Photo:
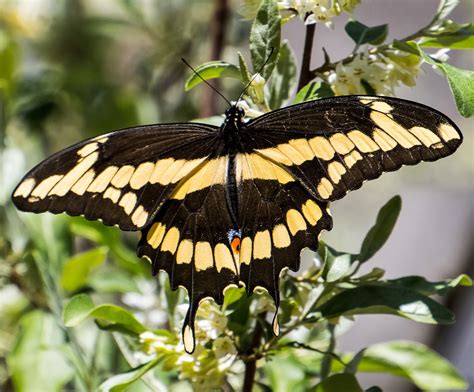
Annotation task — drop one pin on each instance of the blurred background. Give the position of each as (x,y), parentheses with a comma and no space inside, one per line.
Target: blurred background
(73,69)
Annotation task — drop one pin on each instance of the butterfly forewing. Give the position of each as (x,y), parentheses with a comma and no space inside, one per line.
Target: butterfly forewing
(333,145)
(120,178)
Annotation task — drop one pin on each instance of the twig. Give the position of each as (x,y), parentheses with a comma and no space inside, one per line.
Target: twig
(251,359)
(218,29)
(305,72)
(306,347)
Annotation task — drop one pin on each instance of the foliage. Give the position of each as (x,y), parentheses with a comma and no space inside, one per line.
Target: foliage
(82,313)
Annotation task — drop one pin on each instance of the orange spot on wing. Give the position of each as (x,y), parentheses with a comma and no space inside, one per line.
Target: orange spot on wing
(235,244)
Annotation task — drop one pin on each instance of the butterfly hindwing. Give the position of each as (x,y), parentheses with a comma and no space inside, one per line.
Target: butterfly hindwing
(333,145)
(120,178)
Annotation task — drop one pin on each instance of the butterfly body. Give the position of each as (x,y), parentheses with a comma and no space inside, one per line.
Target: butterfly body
(234,205)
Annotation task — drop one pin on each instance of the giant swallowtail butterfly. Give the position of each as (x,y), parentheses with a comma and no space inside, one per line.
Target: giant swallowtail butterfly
(235,204)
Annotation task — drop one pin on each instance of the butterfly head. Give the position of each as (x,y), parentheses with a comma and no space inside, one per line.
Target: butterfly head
(235,114)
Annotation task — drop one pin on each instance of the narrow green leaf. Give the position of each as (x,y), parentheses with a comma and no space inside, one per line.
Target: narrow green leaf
(414,361)
(372,299)
(312,91)
(421,285)
(462,39)
(362,34)
(461,82)
(245,74)
(37,362)
(265,35)
(108,316)
(212,70)
(379,233)
(77,269)
(406,46)
(120,381)
(283,77)
(340,267)
(339,382)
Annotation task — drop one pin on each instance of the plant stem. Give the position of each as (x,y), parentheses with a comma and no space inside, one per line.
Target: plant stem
(218,29)
(251,362)
(305,72)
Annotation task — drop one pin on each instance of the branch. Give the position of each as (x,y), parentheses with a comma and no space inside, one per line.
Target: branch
(251,359)
(305,72)
(218,29)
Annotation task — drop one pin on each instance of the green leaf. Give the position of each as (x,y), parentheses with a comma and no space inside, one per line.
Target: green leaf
(421,285)
(406,46)
(78,268)
(444,9)
(414,361)
(112,280)
(461,82)
(341,267)
(283,77)
(265,35)
(462,39)
(245,74)
(108,316)
(373,299)
(120,381)
(37,362)
(379,233)
(362,34)
(9,53)
(339,382)
(212,70)
(312,91)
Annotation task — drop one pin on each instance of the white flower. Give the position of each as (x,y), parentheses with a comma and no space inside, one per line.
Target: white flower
(224,347)
(441,55)
(154,344)
(381,73)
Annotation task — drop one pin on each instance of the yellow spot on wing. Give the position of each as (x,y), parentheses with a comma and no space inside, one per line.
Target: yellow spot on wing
(168,176)
(122,177)
(385,142)
(223,258)
(102,181)
(253,166)
(87,149)
(363,142)
(336,170)
(321,148)
(188,339)
(156,234)
(128,202)
(185,252)
(325,188)
(203,256)
(381,106)
(142,175)
(262,246)
(246,250)
(170,242)
(25,188)
(69,179)
(45,186)
(311,212)
(275,155)
(395,130)
(161,166)
(281,237)
(447,132)
(352,158)
(295,221)
(292,153)
(112,194)
(427,137)
(80,187)
(341,143)
(303,147)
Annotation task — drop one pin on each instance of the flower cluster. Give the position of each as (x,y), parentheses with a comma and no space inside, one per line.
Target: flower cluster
(312,11)
(215,352)
(374,73)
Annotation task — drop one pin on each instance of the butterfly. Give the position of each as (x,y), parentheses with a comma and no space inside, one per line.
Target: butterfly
(234,205)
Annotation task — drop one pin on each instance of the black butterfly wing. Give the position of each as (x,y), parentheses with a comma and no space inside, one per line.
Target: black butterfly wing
(334,145)
(189,239)
(121,178)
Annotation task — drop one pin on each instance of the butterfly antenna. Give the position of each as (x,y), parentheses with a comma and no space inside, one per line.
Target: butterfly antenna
(253,78)
(210,85)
